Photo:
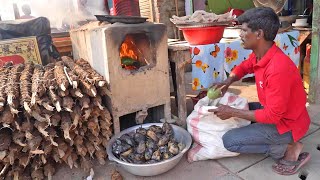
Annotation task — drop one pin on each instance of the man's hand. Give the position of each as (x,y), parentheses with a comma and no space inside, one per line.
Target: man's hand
(225,84)
(223,112)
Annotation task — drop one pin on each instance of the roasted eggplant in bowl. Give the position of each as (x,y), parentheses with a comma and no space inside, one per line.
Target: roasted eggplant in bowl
(149,149)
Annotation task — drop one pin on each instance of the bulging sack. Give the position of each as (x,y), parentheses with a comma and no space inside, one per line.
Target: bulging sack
(207,129)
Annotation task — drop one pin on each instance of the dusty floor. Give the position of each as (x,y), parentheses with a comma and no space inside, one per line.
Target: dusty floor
(249,167)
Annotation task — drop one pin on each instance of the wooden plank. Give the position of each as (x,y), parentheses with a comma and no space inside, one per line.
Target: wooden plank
(314,93)
(180,57)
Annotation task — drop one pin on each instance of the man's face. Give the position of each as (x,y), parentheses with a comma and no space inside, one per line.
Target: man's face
(248,37)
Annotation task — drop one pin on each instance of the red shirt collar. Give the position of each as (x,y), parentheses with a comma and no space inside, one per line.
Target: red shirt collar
(266,58)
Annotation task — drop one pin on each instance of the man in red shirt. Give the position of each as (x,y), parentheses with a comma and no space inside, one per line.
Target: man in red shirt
(281,119)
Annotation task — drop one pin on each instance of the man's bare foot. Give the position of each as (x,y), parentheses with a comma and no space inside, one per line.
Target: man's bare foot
(293,151)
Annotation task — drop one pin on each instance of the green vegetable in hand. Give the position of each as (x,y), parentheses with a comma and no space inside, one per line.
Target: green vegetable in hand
(214,93)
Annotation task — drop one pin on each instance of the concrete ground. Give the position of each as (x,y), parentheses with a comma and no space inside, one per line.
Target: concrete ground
(248,167)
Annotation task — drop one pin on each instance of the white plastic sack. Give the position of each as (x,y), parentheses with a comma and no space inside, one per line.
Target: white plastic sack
(207,129)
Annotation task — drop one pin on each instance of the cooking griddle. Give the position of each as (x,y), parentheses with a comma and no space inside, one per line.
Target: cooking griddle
(121,19)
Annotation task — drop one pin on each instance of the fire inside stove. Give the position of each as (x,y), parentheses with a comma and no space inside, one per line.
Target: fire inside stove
(133,52)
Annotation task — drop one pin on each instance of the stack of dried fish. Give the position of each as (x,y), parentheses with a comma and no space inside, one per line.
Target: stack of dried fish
(51,114)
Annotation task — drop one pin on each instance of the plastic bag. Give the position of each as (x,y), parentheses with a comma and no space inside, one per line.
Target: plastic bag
(207,129)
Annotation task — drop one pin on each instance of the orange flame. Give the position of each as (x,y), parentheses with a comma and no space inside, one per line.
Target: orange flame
(128,48)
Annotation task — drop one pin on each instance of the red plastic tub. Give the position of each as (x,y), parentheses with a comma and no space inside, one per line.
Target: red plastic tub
(203,35)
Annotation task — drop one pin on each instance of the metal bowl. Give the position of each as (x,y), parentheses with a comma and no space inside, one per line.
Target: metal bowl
(180,134)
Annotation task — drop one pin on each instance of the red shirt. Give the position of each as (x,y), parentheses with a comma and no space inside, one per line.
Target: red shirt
(280,91)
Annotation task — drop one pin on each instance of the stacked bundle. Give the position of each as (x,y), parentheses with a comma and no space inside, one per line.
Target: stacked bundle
(51,114)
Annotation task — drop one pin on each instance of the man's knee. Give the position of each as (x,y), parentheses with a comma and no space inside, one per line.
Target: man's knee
(229,141)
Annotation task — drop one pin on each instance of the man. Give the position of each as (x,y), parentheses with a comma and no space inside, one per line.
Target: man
(281,118)
(26,11)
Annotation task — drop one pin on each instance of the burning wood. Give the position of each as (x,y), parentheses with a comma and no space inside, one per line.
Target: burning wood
(56,115)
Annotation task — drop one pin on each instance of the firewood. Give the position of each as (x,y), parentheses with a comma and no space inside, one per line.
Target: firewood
(105,115)
(76,93)
(49,78)
(75,116)
(98,79)
(41,126)
(81,150)
(17,172)
(63,93)
(66,124)
(14,149)
(3,154)
(49,169)
(86,114)
(6,116)
(35,113)
(73,78)
(88,88)
(25,86)
(34,142)
(86,164)
(93,126)
(60,77)
(37,87)
(78,70)
(84,102)
(101,155)
(47,147)
(56,100)
(5,138)
(96,141)
(46,103)
(66,156)
(105,141)
(37,174)
(67,103)
(90,148)
(24,159)
(19,138)
(56,114)
(4,71)
(52,135)
(62,147)
(12,88)
(55,119)
(97,101)
(55,155)
(104,91)
(74,159)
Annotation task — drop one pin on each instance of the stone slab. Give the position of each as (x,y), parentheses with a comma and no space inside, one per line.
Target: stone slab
(263,170)
(204,170)
(313,128)
(241,162)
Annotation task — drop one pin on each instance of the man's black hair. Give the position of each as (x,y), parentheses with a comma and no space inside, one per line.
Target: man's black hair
(262,18)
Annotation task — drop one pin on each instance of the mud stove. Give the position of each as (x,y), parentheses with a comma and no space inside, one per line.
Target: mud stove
(134,60)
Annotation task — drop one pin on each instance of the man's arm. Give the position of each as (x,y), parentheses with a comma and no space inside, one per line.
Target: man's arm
(244,114)
(226,112)
(225,84)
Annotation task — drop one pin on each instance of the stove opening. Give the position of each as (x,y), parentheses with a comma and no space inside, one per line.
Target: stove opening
(154,116)
(136,52)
